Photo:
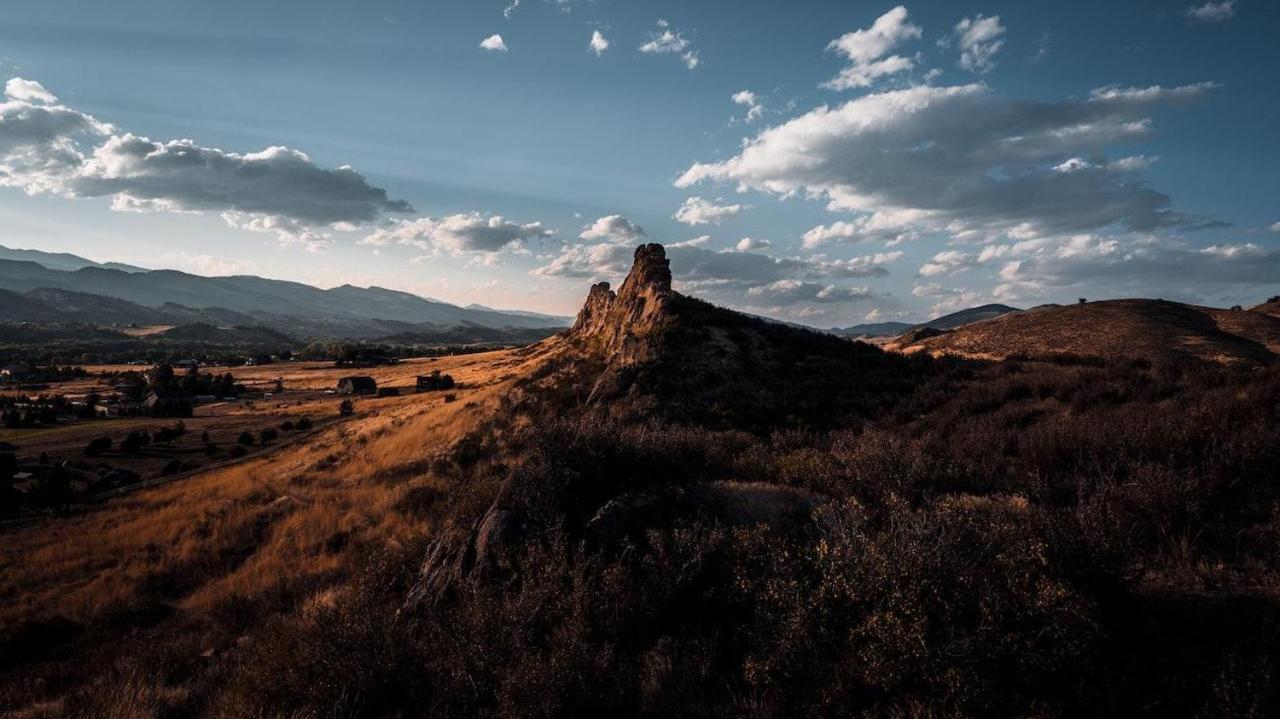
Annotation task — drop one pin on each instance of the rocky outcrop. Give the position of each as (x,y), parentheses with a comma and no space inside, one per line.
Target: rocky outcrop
(623,325)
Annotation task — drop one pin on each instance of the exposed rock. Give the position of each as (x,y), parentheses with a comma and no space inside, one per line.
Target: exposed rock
(621,325)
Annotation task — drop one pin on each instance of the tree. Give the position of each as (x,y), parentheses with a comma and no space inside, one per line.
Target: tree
(347,408)
(245,439)
(97,447)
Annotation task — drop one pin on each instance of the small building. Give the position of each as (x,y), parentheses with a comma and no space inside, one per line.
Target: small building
(357,384)
(162,403)
(13,373)
(434,382)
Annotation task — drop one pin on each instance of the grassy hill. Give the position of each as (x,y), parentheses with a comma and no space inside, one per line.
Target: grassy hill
(1144,329)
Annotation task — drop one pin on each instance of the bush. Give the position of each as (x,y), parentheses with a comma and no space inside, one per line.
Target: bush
(303,424)
(268,435)
(287,426)
(98,446)
(245,439)
(347,408)
(238,450)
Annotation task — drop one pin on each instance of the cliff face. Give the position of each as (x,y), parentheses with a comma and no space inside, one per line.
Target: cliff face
(624,325)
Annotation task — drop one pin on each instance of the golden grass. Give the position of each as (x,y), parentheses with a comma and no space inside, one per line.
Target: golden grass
(289,518)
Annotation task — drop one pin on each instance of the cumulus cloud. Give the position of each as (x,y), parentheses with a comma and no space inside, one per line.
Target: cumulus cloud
(493,43)
(700,241)
(962,159)
(1274,227)
(747,244)
(948,263)
(727,276)
(697,211)
(276,182)
(1212,11)
(888,227)
(978,38)
(948,299)
(749,100)
(666,41)
(277,190)
(1133,264)
(792,291)
(598,44)
(456,234)
(614,229)
(866,51)
(39,137)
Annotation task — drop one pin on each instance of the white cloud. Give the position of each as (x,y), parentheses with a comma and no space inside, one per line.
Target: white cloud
(598,44)
(1212,11)
(28,91)
(668,41)
(866,50)
(948,299)
(494,43)
(792,291)
(277,190)
(979,38)
(961,159)
(614,229)
(1274,227)
(726,275)
(948,263)
(456,234)
(888,227)
(700,241)
(749,100)
(697,211)
(510,9)
(748,244)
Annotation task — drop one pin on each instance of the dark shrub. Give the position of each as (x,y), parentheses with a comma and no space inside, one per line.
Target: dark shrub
(268,435)
(98,446)
(287,426)
(303,424)
(245,439)
(347,408)
(238,450)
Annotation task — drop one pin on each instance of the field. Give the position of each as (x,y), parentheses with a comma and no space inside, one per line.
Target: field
(282,526)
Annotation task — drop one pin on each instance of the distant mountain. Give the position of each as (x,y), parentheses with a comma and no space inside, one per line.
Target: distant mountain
(61,260)
(276,303)
(964,317)
(1135,328)
(873,329)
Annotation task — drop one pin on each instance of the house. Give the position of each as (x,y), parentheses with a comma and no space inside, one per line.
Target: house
(164,403)
(14,373)
(357,384)
(434,381)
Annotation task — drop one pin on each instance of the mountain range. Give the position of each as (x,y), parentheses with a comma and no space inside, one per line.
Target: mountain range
(63,287)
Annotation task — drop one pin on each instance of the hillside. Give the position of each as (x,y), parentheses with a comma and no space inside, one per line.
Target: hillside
(61,260)
(672,509)
(200,332)
(1135,328)
(967,316)
(688,359)
(873,329)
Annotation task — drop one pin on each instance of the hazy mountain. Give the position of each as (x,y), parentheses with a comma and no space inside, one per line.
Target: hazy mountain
(61,260)
(267,300)
(873,329)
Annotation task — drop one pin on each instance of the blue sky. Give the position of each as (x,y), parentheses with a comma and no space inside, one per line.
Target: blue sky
(1023,152)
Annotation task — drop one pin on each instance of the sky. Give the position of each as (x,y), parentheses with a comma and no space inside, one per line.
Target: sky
(829,163)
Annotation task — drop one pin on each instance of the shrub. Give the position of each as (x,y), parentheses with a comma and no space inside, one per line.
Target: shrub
(98,446)
(268,435)
(347,408)
(287,426)
(303,424)
(245,439)
(238,450)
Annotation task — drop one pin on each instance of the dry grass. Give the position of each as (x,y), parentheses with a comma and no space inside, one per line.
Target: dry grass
(292,518)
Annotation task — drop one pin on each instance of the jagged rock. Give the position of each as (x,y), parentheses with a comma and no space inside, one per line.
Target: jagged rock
(451,559)
(622,325)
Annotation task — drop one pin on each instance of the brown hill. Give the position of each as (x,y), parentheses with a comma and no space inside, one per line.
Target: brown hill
(688,359)
(1269,308)
(1137,328)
